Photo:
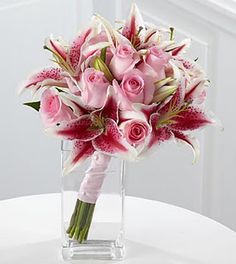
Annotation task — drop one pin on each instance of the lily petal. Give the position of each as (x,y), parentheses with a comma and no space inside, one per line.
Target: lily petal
(81,128)
(80,152)
(127,115)
(108,28)
(191,141)
(180,48)
(177,99)
(74,55)
(112,142)
(146,110)
(195,90)
(91,49)
(76,103)
(110,108)
(56,46)
(46,77)
(158,134)
(133,24)
(190,119)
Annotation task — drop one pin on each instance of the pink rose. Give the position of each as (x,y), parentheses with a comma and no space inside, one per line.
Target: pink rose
(154,63)
(137,87)
(124,59)
(53,110)
(136,131)
(94,88)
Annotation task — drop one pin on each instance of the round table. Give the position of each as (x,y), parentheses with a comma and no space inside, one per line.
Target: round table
(159,233)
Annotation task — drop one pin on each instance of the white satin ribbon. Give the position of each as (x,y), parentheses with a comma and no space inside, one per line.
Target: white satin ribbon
(92,183)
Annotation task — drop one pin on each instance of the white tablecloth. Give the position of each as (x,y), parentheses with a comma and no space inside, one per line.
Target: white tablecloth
(159,233)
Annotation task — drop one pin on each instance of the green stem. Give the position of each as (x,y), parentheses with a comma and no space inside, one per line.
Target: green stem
(72,230)
(72,220)
(80,221)
(84,231)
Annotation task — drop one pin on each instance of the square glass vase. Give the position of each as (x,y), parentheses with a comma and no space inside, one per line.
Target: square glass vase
(104,239)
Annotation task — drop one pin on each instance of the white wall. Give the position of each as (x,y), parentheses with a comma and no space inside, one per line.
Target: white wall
(30,161)
(209,186)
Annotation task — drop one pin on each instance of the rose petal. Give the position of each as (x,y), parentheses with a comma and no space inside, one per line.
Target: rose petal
(124,103)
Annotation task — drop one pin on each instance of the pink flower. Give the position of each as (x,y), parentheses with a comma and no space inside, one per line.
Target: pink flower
(53,110)
(50,76)
(124,59)
(154,63)
(137,87)
(97,131)
(136,131)
(100,37)
(94,88)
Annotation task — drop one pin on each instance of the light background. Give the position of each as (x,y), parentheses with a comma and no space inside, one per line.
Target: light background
(30,161)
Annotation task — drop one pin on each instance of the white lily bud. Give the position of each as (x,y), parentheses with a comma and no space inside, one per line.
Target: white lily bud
(163,92)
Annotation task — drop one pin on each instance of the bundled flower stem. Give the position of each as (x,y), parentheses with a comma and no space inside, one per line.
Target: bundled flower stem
(80,221)
(89,191)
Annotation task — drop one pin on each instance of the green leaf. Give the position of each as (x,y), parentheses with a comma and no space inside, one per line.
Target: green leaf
(34,105)
(103,54)
(100,65)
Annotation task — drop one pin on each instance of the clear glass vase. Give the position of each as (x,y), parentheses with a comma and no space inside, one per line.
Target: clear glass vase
(105,236)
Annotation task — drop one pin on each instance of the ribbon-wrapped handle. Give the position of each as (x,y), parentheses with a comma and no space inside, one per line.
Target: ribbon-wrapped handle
(92,183)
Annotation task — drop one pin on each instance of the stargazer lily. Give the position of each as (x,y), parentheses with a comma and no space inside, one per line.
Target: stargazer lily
(175,120)
(97,131)
(134,26)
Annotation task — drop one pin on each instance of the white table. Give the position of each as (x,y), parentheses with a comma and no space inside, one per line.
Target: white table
(160,234)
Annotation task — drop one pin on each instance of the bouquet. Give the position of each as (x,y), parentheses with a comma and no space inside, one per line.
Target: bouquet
(117,92)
